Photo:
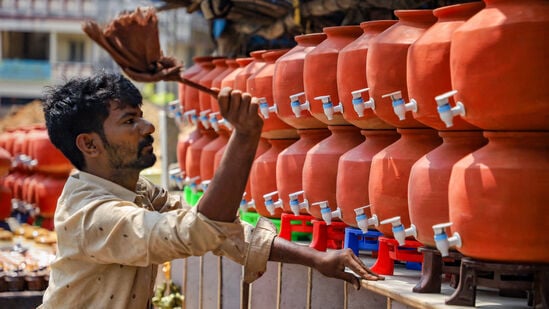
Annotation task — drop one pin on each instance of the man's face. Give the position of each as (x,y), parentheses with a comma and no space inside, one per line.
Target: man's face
(128,139)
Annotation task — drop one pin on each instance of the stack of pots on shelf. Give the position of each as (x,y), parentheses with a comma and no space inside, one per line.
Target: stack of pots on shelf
(353,171)
(37,175)
(428,75)
(287,90)
(320,84)
(498,193)
(188,100)
(279,134)
(386,75)
(241,83)
(201,136)
(218,123)
(207,158)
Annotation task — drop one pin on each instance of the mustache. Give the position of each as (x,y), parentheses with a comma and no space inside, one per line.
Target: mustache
(145,142)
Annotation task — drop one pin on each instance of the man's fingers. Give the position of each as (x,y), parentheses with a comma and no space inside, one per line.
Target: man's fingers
(223,100)
(352,279)
(357,266)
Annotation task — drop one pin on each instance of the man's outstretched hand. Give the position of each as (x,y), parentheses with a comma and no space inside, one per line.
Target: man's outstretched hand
(333,264)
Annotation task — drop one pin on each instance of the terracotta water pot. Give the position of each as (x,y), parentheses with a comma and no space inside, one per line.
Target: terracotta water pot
(498,198)
(260,85)
(289,166)
(321,163)
(48,158)
(263,175)
(288,81)
(257,63)
(391,171)
(428,65)
(351,75)
(192,100)
(263,147)
(386,63)
(207,158)
(429,178)
(205,99)
(499,65)
(183,143)
(194,151)
(5,162)
(229,80)
(230,65)
(353,172)
(320,72)
(47,193)
(189,72)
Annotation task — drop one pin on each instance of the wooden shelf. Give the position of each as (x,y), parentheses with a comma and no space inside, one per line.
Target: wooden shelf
(398,288)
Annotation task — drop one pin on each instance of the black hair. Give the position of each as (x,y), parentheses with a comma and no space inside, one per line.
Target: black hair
(81,105)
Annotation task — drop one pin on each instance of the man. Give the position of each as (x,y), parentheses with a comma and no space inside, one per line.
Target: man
(114,227)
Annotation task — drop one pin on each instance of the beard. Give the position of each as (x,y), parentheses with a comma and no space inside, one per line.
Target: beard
(122,156)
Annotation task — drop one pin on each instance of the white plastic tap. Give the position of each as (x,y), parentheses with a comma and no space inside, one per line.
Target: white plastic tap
(175,111)
(445,111)
(442,241)
(399,106)
(359,105)
(215,122)
(192,183)
(191,116)
(327,213)
(265,109)
(295,205)
(270,204)
(362,219)
(297,107)
(204,184)
(399,232)
(177,177)
(328,106)
(204,118)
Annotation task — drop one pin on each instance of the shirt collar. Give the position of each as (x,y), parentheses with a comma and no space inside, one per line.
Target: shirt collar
(110,186)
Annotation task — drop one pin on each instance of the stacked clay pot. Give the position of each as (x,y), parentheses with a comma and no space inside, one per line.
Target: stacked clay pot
(240,83)
(38,178)
(386,73)
(191,167)
(354,165)
(288,81)
(498,193)
(278,133)
(207,159)
(428,75)
(320,79)
(229,81)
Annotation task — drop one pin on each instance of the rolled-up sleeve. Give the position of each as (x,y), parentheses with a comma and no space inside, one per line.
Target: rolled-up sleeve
(119,232)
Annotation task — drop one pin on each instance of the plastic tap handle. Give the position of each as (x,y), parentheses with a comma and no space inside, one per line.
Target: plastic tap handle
(204,184)
(324,98)
(396,95)
(395,221)
(294,195)
(443,98)
(323,204)
(441,227)
(269,196)
(360,210)
(295,97)
(357,94)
